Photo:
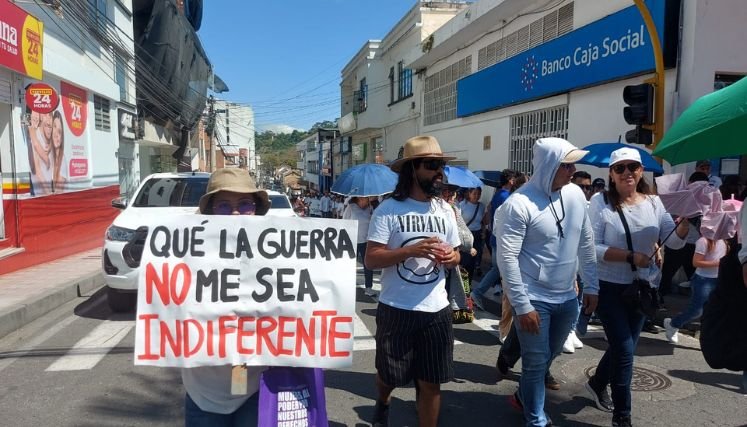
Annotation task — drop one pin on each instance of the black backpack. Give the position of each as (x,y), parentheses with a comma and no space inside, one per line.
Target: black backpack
(723,326)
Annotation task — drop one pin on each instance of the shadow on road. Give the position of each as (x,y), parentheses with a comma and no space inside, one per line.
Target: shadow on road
(474,336)
(141,399)
(95,307)
(729,381)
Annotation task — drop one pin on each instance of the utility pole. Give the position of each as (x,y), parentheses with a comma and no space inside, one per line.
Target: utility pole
(210,130)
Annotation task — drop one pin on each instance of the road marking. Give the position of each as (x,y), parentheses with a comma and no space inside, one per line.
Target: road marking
(364,340)
(487,322)
(362,337)
(92,348)
(30,344)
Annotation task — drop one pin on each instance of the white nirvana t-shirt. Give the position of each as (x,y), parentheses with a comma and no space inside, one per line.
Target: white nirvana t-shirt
(417,283)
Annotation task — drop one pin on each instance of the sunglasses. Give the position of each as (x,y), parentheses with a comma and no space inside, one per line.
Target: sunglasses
(585,187)
(433,164)
(245,207)
(567,165)
(632,167)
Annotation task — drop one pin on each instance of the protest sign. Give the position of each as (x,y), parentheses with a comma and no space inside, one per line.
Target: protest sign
(219,290)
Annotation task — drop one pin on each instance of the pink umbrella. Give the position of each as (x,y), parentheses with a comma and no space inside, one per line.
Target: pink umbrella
(732,204)
(719,219)
(719,223)
(685,200)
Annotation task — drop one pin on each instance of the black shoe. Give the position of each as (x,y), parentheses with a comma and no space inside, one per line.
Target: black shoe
(601,398)
(621,421)
(502,366)
(381,415)
(650,327)
(551,382)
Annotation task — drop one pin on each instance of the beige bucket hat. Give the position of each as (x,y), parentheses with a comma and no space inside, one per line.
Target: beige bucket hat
(234,180)
(419,147)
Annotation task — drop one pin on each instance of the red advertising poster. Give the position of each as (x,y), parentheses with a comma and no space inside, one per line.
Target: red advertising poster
(20,40)
(42,98)
(56,137)
(75,106)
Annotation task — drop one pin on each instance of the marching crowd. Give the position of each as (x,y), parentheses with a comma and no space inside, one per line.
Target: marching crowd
(564,249)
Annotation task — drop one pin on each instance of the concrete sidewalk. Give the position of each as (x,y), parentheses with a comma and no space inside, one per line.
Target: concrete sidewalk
(28,294)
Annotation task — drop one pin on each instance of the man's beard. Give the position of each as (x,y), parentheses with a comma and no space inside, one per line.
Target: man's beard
(431,187)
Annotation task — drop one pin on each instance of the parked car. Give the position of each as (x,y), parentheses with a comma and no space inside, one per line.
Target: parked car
(159,195)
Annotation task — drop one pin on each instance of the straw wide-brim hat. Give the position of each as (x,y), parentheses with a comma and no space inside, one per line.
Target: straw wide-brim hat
(235,180)
(419,147)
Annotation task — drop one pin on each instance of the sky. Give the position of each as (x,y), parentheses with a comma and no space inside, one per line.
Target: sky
(284,57)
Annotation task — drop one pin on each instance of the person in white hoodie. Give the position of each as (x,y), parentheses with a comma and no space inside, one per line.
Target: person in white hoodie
(543,234)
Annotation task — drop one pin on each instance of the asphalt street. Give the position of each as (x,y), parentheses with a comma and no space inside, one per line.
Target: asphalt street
(74,367)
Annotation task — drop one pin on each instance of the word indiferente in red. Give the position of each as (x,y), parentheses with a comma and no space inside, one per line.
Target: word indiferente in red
(245,335)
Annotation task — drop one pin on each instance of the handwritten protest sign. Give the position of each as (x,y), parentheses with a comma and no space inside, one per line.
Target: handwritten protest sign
(217,290)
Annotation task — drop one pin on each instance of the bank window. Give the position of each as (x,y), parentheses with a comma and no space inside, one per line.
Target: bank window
(548,27)
(440,95)
(101,113)
(528,127)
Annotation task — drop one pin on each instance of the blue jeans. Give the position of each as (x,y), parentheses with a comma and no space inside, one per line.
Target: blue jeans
(623,325)
(700,288)
(580,302)
(490,278)
(245,416)
(537,352)
(367,274)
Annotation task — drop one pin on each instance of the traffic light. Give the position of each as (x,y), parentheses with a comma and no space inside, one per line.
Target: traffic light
(639,112)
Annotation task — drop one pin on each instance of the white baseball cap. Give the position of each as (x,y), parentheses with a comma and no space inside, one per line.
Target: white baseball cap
(625,153)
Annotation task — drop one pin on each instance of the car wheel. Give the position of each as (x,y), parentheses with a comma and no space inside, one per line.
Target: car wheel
(120,301)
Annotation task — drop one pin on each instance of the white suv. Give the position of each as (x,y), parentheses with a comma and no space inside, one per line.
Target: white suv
(280,205)
(159,195)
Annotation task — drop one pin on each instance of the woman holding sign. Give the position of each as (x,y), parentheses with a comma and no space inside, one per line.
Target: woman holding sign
(226,395)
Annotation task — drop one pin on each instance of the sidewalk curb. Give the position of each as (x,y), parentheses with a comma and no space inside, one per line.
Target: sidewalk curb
(15,318)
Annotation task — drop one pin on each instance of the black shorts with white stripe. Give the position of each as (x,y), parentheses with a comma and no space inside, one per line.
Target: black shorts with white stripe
(414,345)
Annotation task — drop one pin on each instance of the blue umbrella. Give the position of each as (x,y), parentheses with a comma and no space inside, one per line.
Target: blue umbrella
(461,177)
(364,180)
(491,178)
(599,156)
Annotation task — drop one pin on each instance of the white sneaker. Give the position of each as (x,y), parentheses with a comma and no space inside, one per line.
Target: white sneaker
(370,292)
(568,346)
(574,339)
(671,332)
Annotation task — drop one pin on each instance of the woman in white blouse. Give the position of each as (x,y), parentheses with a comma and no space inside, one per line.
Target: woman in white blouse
(359,209)
(649,224)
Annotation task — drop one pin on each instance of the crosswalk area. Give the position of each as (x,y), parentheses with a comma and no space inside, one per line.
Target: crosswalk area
(113,332)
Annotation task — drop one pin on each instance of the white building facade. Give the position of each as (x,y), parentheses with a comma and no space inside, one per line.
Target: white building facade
(502,73)
(380,105)
(561,72)
(234,130)
(60,126)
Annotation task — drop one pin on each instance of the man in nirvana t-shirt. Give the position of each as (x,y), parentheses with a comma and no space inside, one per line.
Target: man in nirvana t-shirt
(412,238)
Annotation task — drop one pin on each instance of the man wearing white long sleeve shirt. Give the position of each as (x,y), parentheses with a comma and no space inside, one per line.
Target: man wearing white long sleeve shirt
(543,235)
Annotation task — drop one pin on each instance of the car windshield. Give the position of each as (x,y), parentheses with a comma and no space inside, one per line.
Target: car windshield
(279,202)
(165,192)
